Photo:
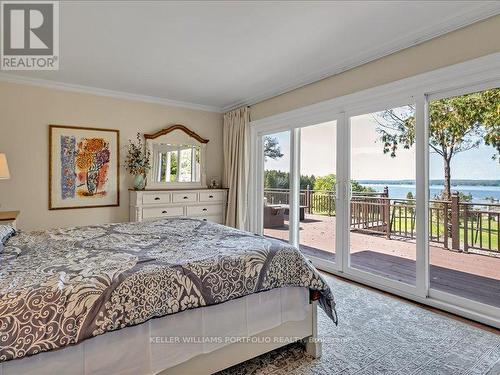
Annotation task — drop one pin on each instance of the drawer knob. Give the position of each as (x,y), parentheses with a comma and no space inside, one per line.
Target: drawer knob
(185,198)
(164,212)
(205,209)
(157,198)
(204,219)
(210,196)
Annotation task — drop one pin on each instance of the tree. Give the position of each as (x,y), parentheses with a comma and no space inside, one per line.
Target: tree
(325,183)
(272,148)
(306,181)
(358,188)
(276,179)
(456,125)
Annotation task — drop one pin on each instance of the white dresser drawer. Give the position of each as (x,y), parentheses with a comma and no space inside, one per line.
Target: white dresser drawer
(207,204)
(184,197)
(154,212)
(155,198)
(209,209)
(212,218)
(209,196)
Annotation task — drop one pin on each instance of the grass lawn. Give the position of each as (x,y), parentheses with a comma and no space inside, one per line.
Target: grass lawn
(483,235)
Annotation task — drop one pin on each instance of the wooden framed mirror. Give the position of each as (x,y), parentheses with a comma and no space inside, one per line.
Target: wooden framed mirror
(178,158)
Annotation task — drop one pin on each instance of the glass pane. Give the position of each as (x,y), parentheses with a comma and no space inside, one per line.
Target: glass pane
(185,157)
(382,207)
(171,166)
(464,209)
(276,185)
(317,190)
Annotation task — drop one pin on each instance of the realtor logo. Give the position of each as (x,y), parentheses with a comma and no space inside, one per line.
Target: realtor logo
(29,35)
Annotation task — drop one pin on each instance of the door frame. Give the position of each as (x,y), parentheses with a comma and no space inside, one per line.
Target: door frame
(369,107)
(467,76)
(257,183)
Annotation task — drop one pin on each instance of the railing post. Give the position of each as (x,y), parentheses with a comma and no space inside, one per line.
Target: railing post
(466,235)
(387,214)
(445,223)
(455,221)
(308,199)
(386,192)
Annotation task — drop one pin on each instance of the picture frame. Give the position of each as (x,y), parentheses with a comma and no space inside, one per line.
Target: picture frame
(84,167)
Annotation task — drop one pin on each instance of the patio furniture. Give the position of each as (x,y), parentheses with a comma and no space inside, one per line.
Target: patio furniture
(302,210)
(274,217)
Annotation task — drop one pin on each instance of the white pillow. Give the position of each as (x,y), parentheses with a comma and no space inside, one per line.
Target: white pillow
(6,232)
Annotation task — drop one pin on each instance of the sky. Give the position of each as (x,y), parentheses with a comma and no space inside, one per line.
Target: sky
(368,162)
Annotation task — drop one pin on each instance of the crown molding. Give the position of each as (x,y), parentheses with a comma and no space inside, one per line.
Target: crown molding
(12,78)
(482,12)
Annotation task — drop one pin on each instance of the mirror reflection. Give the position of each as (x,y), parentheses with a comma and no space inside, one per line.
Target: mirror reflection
(176,163)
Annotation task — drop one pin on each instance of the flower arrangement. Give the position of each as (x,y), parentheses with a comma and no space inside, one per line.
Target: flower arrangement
(137,162)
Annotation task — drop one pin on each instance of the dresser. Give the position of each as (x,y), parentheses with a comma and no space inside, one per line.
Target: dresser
(206,204)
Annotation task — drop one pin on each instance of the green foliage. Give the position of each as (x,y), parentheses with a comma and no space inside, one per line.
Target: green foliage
(456,125)
(306,181)
(326,183)
(272,148)
(276,180)
(358,188)
(137,158)
(462,197)
(281,180)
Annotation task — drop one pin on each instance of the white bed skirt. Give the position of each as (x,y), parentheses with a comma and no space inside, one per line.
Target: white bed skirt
(165,342)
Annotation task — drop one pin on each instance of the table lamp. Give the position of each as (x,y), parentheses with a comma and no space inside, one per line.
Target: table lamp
(4,168)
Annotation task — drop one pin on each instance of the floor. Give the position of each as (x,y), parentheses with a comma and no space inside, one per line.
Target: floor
(382,334)
(471,276)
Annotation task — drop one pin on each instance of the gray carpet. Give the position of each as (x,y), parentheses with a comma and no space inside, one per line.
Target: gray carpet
(378,334)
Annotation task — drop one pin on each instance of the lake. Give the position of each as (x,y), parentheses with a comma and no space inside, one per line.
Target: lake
(479,193)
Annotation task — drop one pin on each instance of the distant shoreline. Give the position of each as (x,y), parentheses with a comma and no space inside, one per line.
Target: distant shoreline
(457,182)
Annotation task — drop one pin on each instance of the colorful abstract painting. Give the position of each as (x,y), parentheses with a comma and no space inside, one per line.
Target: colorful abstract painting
(84,167)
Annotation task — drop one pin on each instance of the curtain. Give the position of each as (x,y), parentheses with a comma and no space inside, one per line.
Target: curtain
(236,136)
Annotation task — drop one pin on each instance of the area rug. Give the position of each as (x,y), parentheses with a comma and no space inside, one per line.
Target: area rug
(379,334)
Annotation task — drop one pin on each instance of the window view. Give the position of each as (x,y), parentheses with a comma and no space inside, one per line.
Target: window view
(177,163)
(382,207)
(277,185)
(317,190)
(464,194)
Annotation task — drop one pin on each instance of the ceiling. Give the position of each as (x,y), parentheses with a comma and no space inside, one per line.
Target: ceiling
(219,55)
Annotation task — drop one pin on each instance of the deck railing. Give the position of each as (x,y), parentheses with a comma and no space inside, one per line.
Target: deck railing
(461,226)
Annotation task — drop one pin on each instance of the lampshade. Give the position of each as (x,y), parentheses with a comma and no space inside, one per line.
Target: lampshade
(4,168)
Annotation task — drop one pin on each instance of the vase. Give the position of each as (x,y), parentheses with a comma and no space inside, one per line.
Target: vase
(92,181)
(139,182)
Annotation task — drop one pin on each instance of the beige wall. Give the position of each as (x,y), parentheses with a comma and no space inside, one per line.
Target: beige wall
(474,41)
(26,112)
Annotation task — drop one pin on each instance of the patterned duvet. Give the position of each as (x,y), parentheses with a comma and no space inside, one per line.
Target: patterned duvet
(59,287)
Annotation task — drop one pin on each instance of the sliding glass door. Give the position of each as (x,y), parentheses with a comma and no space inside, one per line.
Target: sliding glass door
(382,215)
(464,206)
(276,185)
(401,193)
(315,225)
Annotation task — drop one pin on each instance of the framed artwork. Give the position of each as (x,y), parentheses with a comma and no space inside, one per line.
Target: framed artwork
(83,167)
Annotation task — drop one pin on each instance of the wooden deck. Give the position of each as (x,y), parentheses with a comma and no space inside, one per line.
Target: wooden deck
(471,276)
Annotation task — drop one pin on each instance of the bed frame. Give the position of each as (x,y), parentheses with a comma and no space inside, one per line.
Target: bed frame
(230,355)
(303,329)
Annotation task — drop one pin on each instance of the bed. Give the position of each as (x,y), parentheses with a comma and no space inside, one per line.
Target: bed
(166,296)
